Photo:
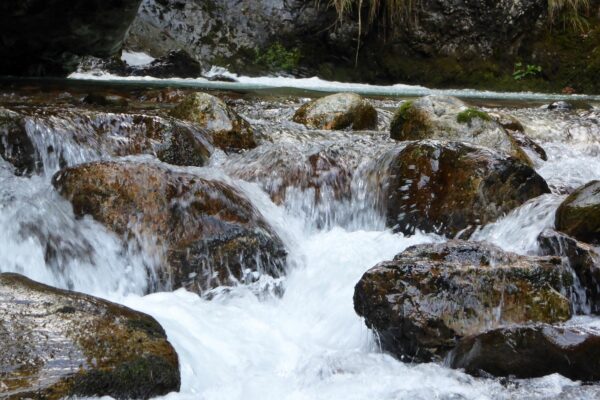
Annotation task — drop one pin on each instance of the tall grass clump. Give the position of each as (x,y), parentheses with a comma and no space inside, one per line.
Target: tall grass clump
(570,13)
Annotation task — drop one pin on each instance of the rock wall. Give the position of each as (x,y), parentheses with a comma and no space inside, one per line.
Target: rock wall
(47,37)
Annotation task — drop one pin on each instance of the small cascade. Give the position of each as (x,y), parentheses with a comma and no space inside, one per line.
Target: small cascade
(322,194)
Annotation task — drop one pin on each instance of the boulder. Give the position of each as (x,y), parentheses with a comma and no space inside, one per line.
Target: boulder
(531,352)
(176,64)
(66,137)
(59,344)
(448,118)
(449,187)
(15,145)
(48,37)
(338,111)
(431,295)
(583,258)
(230,132)
(207,232)
(579,214)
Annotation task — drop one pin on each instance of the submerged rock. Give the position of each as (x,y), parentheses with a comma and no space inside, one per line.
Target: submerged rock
(49,37)
(15,145)
(451,187)
(531,352)
(229,130)
(448,118)
(338,111)
(579,214)
(583,258)
(176,64)
(208,233)
(431,295)
(57,344)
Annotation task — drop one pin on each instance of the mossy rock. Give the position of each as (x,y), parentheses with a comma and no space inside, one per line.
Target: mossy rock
(229,131)
(448,118)
(58,344)
(427,298)
(531,351)
(579,214)
(453,187)
(206,233)
(338,111)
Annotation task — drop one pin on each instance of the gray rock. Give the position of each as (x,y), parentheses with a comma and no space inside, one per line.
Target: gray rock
(579,214)
(338,111)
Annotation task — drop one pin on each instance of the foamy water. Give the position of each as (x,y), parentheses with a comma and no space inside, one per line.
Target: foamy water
(308,343)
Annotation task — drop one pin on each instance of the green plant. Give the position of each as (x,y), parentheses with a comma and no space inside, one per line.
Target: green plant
(278,57)
(570,13)
(523,71)
(465,117)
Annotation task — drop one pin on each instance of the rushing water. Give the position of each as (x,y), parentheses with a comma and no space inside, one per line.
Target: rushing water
(307,343)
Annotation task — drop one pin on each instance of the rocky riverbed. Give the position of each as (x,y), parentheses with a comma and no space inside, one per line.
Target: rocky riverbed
(271,245)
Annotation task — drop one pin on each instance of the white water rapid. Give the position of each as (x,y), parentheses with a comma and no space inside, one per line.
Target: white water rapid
(309,343)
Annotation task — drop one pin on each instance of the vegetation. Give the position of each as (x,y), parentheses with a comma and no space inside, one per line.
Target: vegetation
(569,13)
(278,57)
(524,71)
(465,117)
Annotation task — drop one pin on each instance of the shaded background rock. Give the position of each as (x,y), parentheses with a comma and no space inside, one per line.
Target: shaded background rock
(449,187)
(431,295)
(48,37)
(531,352)
(206,232)
(57,344)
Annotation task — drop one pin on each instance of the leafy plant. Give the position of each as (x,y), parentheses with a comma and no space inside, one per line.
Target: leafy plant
(523,71)
(278,57)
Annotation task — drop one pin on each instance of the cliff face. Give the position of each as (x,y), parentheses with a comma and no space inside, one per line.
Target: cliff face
(444,42)
(47,37)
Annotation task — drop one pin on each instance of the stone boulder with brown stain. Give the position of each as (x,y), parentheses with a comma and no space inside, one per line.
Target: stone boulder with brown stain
(579,214)
(57,344)
(451,187)
(428,297)
(229,131)
(338,111)
(211,235)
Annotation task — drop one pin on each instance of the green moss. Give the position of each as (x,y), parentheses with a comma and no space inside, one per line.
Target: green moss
(467,116)
(278,57)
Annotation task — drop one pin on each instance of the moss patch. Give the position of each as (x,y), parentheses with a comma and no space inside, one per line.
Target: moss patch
(467,116)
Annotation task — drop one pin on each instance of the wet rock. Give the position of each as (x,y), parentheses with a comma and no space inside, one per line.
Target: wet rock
(531,352)
(583,258)
(102,100)
(49,37)
(450,187)
(221,78)
(72,136)
(176,64)
(448,118)
(15,145)
(431,295)
(560,106)
(579,214)
(338,111)
(208,232)
(57,344)
(230,132)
